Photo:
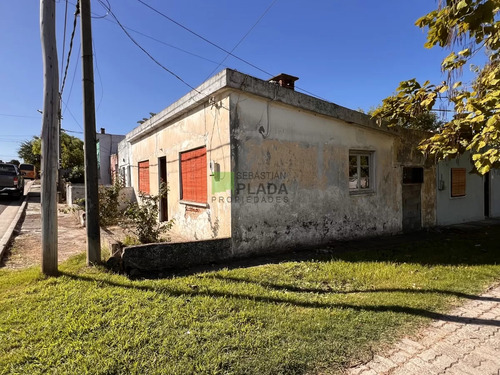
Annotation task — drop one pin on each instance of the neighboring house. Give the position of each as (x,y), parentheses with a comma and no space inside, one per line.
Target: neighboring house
(270,168)
(107,145)
(464,196)
(124,167)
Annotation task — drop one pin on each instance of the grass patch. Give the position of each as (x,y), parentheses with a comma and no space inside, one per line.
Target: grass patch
(294,317)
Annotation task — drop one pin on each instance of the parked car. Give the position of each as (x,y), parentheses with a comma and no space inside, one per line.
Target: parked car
(28,171)
(11,181)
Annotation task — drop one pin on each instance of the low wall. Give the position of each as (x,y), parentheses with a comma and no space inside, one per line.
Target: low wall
(74,192)
(160,257)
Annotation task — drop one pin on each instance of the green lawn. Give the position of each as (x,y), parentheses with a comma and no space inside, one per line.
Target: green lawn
(318,315)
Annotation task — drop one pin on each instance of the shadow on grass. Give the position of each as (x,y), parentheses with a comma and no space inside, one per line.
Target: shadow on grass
(295,289)
(307,304)
(468,244)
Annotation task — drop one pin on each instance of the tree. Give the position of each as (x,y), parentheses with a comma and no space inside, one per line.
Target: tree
(427,121)
(466,27)
(28,153)
(72,154)
(15,162)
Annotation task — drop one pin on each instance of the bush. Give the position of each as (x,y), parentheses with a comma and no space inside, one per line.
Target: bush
(109,204)
(144,217)
(76,175)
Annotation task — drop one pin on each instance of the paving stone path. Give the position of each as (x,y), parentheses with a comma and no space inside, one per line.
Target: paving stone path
(465,341)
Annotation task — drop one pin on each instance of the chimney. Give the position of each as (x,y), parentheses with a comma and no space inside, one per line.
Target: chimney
(285,80)
(103,131)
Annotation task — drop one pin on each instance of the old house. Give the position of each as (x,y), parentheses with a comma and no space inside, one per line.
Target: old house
(262,167)
(266,166)
(106,146)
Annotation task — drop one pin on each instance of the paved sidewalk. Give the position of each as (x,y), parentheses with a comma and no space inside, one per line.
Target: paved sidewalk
(464,341)
(10,217)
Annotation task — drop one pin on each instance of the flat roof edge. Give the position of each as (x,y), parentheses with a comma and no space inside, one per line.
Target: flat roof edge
(232,79)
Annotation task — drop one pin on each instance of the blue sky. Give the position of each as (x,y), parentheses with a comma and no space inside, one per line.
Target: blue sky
(353,53)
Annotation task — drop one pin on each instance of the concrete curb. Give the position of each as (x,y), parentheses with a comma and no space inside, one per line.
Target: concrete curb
(4,242)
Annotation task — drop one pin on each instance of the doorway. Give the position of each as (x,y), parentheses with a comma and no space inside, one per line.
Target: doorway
(162,178)
(487,188)
(413,177)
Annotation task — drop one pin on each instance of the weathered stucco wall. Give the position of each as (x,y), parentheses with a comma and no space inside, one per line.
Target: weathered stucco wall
(453,210)
(205,125)
(408,155)
(292,178)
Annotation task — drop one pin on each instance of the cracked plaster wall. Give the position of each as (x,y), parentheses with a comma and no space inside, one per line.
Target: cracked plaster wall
(308,154)
(206,125)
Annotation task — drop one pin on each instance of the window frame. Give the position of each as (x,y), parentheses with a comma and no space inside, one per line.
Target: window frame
(139,174)
(462,177)
(371,172)
(203,190)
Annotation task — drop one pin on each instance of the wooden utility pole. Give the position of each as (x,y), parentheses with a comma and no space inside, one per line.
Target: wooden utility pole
(50,136)
(91,178)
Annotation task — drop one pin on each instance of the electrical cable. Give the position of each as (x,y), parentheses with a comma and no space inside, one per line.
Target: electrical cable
(107,12)
(229,53)
(64,33)
(243,38)
(77,11)
(167,44)
(9,115)
(72,82)
(98,76)
(146,52)
(203,38)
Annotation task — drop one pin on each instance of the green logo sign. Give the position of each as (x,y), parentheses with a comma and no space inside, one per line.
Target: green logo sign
(222,181)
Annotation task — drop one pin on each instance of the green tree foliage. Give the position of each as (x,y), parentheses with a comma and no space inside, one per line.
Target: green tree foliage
(466,27)
(15,162)
(28,153)
(72,154)
(427,121)
(71,151)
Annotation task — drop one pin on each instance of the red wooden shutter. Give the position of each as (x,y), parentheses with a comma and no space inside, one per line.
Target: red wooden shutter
(458,178)
(194,175)
(144,177)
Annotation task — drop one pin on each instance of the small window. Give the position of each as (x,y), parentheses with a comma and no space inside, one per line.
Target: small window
(194,175)
(360,174)
(144,177)
(458,180)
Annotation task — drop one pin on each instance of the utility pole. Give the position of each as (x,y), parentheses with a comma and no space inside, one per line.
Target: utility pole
(50,136)
(91,188)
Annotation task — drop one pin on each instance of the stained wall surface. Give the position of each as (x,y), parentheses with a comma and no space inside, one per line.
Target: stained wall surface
(206,125)
(453,210)
(291,170)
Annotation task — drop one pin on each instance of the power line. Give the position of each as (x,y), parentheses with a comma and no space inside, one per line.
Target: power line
(244,37)
(146,52)
(72,81)
(98,75)
(77,11)
(168,44)
(229,53)
(9,115)
(71,131)
(72,115)
(64,33)
(203,38)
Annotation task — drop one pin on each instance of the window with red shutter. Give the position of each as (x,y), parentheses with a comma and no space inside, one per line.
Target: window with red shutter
(144,177)
(194,175)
